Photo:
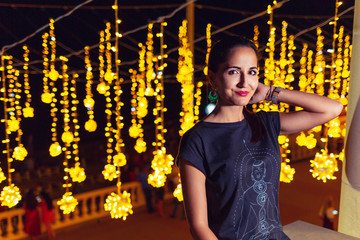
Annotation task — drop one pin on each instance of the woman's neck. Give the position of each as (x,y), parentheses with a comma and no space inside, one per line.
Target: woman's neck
(223,114)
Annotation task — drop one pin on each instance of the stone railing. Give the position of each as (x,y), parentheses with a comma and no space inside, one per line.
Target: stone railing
(91,206)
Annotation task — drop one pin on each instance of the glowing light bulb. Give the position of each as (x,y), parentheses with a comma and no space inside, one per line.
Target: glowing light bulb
(90,125)
(20,153)
(53,74)
(46,97)
(55,149)
(67,137)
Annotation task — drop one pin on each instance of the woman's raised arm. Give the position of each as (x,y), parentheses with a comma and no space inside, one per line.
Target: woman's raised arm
(316,110)
(193,188)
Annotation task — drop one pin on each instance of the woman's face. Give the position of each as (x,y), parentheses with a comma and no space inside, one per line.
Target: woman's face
(236,80)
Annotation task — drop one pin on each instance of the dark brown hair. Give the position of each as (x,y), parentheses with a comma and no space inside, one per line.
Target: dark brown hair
(219,54)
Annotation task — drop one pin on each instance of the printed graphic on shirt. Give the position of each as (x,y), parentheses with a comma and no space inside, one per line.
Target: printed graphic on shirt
(256,211)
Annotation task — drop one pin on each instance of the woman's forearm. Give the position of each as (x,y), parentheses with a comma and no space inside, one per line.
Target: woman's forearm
(202,232)
(311,102)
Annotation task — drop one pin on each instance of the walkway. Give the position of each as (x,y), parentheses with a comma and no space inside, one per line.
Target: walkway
(299,200)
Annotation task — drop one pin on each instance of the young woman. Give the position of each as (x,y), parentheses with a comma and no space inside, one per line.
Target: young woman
(230,161)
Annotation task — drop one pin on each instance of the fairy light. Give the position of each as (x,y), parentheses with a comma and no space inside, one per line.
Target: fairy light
(346,72)
(256,36)
(208,47)
(13,122)
(102,88)
(150,74)
(185,78)
(10,195)
(77,173)
(28,111)
(310,74)
(20,151)
(68,202)
(109,75)
(197,97)
(319,65)
(178,192)
(46,96)
(162,162)
(118,204)
(90,124)
(140,107)
(53,74)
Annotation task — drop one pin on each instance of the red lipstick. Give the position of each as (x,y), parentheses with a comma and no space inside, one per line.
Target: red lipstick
(242,93)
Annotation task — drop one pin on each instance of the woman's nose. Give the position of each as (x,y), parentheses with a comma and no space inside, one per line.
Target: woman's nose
(242,80)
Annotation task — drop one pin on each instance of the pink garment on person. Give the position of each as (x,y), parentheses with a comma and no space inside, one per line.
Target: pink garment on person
(47,216)
(32,222)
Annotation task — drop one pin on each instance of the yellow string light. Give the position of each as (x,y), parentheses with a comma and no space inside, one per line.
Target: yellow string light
(53,74)
(162,162)
(46,96)
(109,75)
(150,74)
(90,124)
(256,36)
(208,47)
(28,111)
(20,151)
(77,173)
(119,204)
(185,77)
(102,87)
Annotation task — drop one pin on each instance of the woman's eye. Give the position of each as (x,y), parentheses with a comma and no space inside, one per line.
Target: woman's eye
(253,72)
(232,72)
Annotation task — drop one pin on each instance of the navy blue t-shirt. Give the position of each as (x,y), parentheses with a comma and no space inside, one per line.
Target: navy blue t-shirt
(242,178)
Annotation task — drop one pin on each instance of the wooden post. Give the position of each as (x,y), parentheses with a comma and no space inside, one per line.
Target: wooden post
(349,218)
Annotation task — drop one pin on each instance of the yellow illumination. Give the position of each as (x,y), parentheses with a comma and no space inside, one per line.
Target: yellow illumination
(119,205)
(55,149)
(20,153)
(67,203)
(10,196)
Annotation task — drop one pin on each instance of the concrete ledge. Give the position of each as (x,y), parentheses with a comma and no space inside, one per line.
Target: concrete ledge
(300,230)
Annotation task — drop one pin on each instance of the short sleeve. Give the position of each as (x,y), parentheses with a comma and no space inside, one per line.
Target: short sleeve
(271,120)
(191,149)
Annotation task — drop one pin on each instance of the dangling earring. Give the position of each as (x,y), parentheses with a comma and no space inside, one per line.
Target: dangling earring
(213,96)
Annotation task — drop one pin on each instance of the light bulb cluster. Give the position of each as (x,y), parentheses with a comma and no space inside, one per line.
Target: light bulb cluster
(119,205)
(324,166)
(185,78)
(67,203)
(178,191)
(287,173)
(10,196)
